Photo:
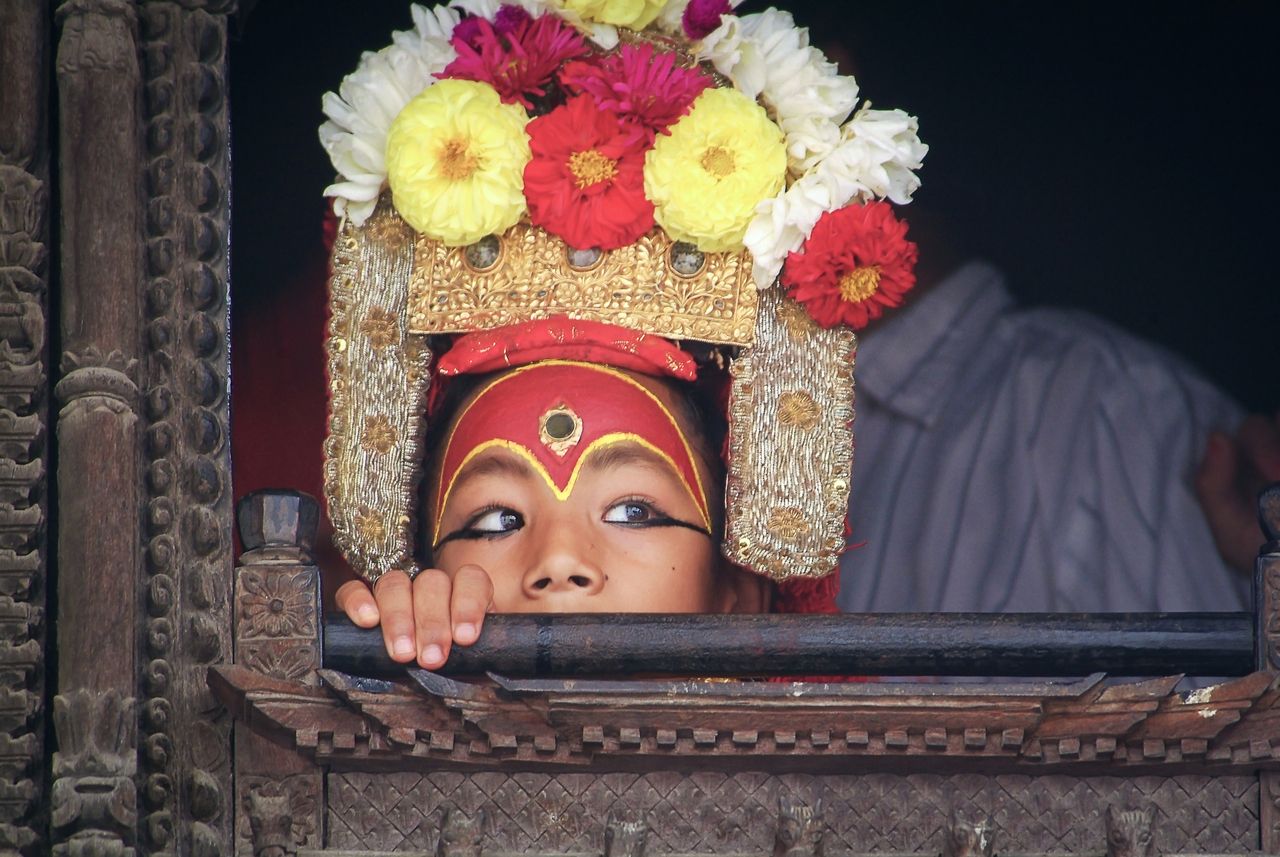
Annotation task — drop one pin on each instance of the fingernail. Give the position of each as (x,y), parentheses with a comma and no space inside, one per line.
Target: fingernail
(465,633)
(433,654)
(402,646)
(367,613)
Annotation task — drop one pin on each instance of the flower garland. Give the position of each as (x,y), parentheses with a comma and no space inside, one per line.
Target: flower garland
(487,112)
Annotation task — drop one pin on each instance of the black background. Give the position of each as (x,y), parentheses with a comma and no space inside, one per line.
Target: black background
(1112,156)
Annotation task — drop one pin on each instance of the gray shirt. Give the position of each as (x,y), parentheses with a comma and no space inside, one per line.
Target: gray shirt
(1027,460)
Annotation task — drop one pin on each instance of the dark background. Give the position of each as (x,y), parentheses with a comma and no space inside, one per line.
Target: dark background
(1109,156)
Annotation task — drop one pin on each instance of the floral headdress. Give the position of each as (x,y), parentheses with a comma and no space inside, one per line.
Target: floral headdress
(660,165)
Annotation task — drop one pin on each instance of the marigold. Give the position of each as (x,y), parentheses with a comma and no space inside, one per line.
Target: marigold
(518,55)
(636,14)
(639,84)
(856,262)
(585,182)
(455,162)
(708,173)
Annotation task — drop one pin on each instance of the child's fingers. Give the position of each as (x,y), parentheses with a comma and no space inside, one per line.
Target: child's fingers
(472,594)
(394,595)
(431,615)
(355,599)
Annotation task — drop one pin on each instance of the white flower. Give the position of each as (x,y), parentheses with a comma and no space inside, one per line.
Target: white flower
(671,19)
(361,111)
(781,225)
(889,150)
(768,57)
(875,157)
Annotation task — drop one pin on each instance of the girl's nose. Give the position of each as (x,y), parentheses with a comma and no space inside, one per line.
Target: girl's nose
(562,564)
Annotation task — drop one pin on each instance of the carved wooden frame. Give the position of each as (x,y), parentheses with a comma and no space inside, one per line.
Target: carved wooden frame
(143,761)
(24,416)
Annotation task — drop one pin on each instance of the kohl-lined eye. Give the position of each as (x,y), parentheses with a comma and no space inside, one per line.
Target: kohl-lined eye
(488,523)
(495,521)
(631,512)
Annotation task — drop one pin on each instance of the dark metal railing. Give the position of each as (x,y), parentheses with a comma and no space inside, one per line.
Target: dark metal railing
(939,644)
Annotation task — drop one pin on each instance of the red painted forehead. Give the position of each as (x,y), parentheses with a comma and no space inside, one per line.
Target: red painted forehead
(554,415)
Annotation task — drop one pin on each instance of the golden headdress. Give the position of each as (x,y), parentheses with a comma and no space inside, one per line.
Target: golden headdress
(666,167)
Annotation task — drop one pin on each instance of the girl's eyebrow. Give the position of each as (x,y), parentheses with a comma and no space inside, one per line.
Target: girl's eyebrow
(620,454)
(495,463)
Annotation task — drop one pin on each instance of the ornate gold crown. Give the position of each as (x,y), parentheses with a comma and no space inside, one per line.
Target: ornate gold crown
(633,126)
(791,400)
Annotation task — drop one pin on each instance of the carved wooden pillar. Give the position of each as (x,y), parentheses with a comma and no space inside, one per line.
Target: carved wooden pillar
(1266,595)
(279,793)
(186,765)
(24,354)
(97,429)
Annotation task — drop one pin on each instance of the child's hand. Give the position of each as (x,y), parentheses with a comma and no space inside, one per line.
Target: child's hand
(424,617)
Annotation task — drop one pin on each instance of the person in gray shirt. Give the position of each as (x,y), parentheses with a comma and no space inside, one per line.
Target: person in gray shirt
(1040,460)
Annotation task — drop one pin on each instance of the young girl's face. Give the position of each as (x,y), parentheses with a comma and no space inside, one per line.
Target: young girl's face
(621,524)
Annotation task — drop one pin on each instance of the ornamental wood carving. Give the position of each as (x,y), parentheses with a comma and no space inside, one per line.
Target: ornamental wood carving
(646,725)
(186,753)
(279,795)
(93,796)
(739,812)
(24,354)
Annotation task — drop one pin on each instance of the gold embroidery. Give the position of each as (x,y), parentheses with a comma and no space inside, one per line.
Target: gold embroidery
(378,435)
(376,373)
(632,286)
(799,410)
(797,323)
(787,491)
(788,524)
(379,326)
(369,525)
(386,228)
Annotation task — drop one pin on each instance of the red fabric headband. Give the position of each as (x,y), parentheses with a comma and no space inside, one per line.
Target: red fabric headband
(566,339)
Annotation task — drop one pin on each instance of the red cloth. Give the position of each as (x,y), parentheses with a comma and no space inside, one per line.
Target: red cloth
(562,338)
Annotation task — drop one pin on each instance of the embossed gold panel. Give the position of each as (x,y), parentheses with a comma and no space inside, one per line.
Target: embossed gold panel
(638,286)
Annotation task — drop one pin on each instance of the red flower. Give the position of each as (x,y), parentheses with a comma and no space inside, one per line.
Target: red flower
(518,58)
(585,182)
(702,17)
(856,262)
(638,85)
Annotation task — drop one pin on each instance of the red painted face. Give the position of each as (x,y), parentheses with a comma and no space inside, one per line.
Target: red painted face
(554,415)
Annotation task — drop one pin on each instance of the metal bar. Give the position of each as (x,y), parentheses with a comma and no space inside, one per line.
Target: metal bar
(940,644)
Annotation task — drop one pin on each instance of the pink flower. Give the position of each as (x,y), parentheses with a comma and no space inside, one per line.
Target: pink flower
(518,57)
(511,18)
(702,17)
(638,84)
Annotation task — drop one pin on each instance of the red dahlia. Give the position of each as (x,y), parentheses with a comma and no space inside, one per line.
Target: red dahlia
(518,57)
(585,182)
(856,262)
(637,83)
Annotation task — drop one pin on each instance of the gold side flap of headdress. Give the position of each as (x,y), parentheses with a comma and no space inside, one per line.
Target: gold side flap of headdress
(655,286)
(791,444)
(379,375)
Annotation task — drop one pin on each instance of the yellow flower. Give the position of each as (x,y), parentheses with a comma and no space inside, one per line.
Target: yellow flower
(455,162)
(719,161)
(636,14)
